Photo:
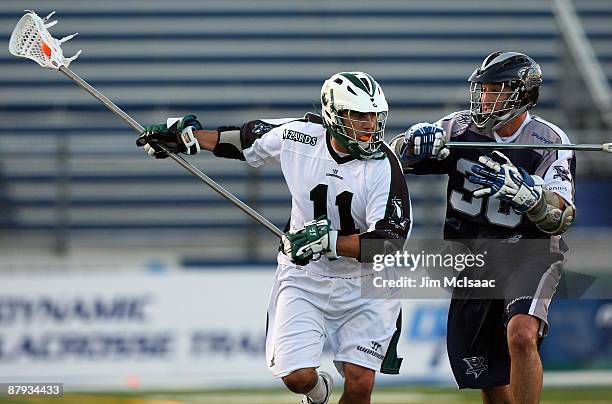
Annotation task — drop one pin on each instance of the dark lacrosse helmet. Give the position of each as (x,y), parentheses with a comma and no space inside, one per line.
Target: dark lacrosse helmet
(520,77)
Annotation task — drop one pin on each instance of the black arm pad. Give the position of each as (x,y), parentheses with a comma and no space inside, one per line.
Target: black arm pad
(228,143)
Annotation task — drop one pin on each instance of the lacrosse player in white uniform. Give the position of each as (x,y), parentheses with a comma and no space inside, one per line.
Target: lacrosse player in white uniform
(347,187)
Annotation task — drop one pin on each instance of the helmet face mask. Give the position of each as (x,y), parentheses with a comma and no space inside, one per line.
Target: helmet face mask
(360,133)
(355,112)
(494,109)
(502,88)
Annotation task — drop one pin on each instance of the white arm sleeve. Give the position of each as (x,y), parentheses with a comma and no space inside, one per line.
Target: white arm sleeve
(559,177)
(262,141)
(264,150)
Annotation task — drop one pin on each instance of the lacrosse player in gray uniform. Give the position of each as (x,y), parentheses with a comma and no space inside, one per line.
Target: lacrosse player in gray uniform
(347,187)
(516,197)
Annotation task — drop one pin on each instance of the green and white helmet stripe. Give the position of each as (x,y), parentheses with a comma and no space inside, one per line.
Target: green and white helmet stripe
(365,82)
(359,92)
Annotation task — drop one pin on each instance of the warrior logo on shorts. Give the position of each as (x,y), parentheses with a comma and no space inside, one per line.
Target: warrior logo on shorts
(375,347)
(476,365)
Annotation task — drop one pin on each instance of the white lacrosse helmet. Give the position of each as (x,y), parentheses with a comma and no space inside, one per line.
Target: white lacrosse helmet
(354,92)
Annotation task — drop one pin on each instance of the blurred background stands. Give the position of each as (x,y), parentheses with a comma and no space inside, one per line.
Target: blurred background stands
(73,184)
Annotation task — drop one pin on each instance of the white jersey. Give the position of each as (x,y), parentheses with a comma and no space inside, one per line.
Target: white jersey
(365,197)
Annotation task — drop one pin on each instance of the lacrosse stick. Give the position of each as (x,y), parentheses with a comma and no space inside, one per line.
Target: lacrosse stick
(606,147)
(32,40)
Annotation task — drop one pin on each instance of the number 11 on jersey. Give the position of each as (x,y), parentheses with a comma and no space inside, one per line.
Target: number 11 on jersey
(318,196)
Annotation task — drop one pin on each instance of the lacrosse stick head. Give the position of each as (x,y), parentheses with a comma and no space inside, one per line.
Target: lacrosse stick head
(31,40)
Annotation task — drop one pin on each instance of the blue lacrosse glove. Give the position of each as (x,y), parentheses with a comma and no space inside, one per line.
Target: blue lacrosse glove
(503,180)
(424,140)
(311,242)
(176,135)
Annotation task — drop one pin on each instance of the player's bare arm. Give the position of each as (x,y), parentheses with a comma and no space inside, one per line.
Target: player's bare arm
(208,139)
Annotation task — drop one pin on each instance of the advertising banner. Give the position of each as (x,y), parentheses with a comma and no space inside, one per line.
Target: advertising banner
(173,329)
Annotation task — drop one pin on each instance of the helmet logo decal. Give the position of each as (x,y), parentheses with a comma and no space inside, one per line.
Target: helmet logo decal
(368,85)
(531,76)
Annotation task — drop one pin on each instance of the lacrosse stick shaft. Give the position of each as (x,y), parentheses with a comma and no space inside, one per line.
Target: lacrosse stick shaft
(606,147)
(178,159)
(102,98)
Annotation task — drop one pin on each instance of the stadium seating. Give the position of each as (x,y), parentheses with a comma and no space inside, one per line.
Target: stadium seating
(69,169)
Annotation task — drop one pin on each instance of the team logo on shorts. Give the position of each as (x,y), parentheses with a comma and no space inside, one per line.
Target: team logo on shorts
(272,361)
(476,365)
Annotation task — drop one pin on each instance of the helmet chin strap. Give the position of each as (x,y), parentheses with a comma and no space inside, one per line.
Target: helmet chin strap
(352,147)
(509,116)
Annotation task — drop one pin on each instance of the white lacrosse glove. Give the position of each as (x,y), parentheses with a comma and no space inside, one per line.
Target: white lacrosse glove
(311,242)
(424,140)
(176,135)
(502,180)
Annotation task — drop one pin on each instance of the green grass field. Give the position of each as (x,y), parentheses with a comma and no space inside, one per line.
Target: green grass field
(382,395)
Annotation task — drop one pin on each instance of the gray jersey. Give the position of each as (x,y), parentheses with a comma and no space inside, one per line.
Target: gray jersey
(468,217)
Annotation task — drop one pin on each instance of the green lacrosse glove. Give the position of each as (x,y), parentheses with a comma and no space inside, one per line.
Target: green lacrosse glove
(311,242)
(176,135)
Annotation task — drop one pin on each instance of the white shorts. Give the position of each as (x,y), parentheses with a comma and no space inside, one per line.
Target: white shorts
(306,309)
